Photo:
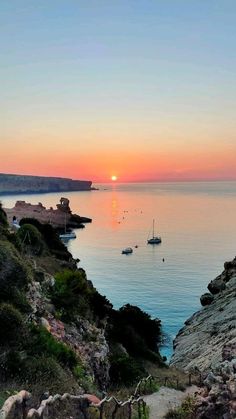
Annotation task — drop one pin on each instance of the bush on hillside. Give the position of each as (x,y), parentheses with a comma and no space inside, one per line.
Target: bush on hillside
(125,370)
(43,368)
(31,238)
(11,324)
(51,238)
(14,272)
(100,305)
(3,217)
(71,293)
(136,331)
(42,342)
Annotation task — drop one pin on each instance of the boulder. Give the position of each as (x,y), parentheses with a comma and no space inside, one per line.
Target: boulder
(206,299)
(217,285)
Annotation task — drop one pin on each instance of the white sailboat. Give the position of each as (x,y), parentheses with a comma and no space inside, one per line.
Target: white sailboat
(154,239)
(67,234)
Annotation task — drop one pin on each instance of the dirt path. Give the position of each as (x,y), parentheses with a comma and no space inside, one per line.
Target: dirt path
(165,399)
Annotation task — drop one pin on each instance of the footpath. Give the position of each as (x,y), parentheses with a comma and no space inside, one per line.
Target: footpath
(165,399)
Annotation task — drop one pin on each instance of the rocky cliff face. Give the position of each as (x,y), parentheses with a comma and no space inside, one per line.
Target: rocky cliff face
(86,340)
(199,344)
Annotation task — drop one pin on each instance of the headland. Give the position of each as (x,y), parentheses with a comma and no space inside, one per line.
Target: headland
(22,184)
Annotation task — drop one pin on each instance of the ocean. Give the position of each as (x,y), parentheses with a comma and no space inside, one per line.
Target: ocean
(196,221)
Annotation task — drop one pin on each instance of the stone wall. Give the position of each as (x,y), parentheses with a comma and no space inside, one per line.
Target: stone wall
(54,407)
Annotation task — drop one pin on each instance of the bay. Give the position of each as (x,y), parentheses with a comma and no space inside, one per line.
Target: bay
(196,221)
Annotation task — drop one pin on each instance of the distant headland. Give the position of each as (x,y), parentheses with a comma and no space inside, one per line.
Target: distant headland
(18,184)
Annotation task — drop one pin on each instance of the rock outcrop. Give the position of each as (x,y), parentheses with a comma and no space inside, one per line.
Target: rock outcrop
(58,218)
(199,344)
(86,340)
(218,396)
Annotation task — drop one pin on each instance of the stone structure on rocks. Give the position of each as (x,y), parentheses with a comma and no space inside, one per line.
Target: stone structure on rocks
(59,218)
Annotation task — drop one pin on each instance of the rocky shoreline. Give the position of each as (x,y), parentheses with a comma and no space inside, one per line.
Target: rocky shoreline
(200,342)
(207,344)
(60,218)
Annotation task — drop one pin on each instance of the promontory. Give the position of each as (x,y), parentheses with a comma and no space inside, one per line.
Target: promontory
(15,184)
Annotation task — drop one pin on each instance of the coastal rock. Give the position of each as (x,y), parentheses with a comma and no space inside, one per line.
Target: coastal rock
(83,337)
(217,285)
(200,342)
(206,299)
(56,217)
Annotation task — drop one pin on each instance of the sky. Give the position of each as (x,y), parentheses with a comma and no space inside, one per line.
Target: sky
(144,90)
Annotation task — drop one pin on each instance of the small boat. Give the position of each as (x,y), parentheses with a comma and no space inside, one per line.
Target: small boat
(68,235)
(154,239)
(127,251)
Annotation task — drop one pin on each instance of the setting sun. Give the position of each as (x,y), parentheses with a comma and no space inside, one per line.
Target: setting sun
(114,178)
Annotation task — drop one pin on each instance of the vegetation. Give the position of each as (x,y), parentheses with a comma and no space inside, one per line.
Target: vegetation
(11,324)
(43,343)
(125,370)
(15,274)
(185,411)
(31,238)
(3,217)
(50,237)
(71,294)
(29,354)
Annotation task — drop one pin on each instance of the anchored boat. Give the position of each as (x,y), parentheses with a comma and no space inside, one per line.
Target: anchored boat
(154,239)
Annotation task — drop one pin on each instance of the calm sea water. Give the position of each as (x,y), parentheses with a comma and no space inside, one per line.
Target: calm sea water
(196,222)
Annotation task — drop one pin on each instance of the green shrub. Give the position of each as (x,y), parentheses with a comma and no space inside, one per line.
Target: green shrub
(14,273)
(11,324)
(51,238)
(71,292)
(13,363)
(136,331)
(31,238)
(3,217)
(43,369)
(125,370)
(43,343)
(100,305)
(185,411)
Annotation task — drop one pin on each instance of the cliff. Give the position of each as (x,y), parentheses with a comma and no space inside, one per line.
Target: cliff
(58,334)
(199,344)
(17,184)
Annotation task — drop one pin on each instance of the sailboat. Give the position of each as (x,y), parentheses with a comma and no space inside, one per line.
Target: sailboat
(154,239)
(67,234)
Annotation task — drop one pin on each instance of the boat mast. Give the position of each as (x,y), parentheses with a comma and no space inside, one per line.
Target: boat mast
(153,228)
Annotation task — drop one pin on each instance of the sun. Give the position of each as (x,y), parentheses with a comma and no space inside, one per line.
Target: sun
(114,178)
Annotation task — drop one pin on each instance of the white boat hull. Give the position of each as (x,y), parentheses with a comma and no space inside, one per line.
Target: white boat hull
(67,236)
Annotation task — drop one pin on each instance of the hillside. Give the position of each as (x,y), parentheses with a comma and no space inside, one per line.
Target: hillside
(16,184)
(58,334)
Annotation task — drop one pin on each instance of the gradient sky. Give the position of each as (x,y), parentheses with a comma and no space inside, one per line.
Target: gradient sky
(144,89)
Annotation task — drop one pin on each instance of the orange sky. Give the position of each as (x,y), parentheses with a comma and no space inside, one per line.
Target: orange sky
(127,165)
(91,90)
